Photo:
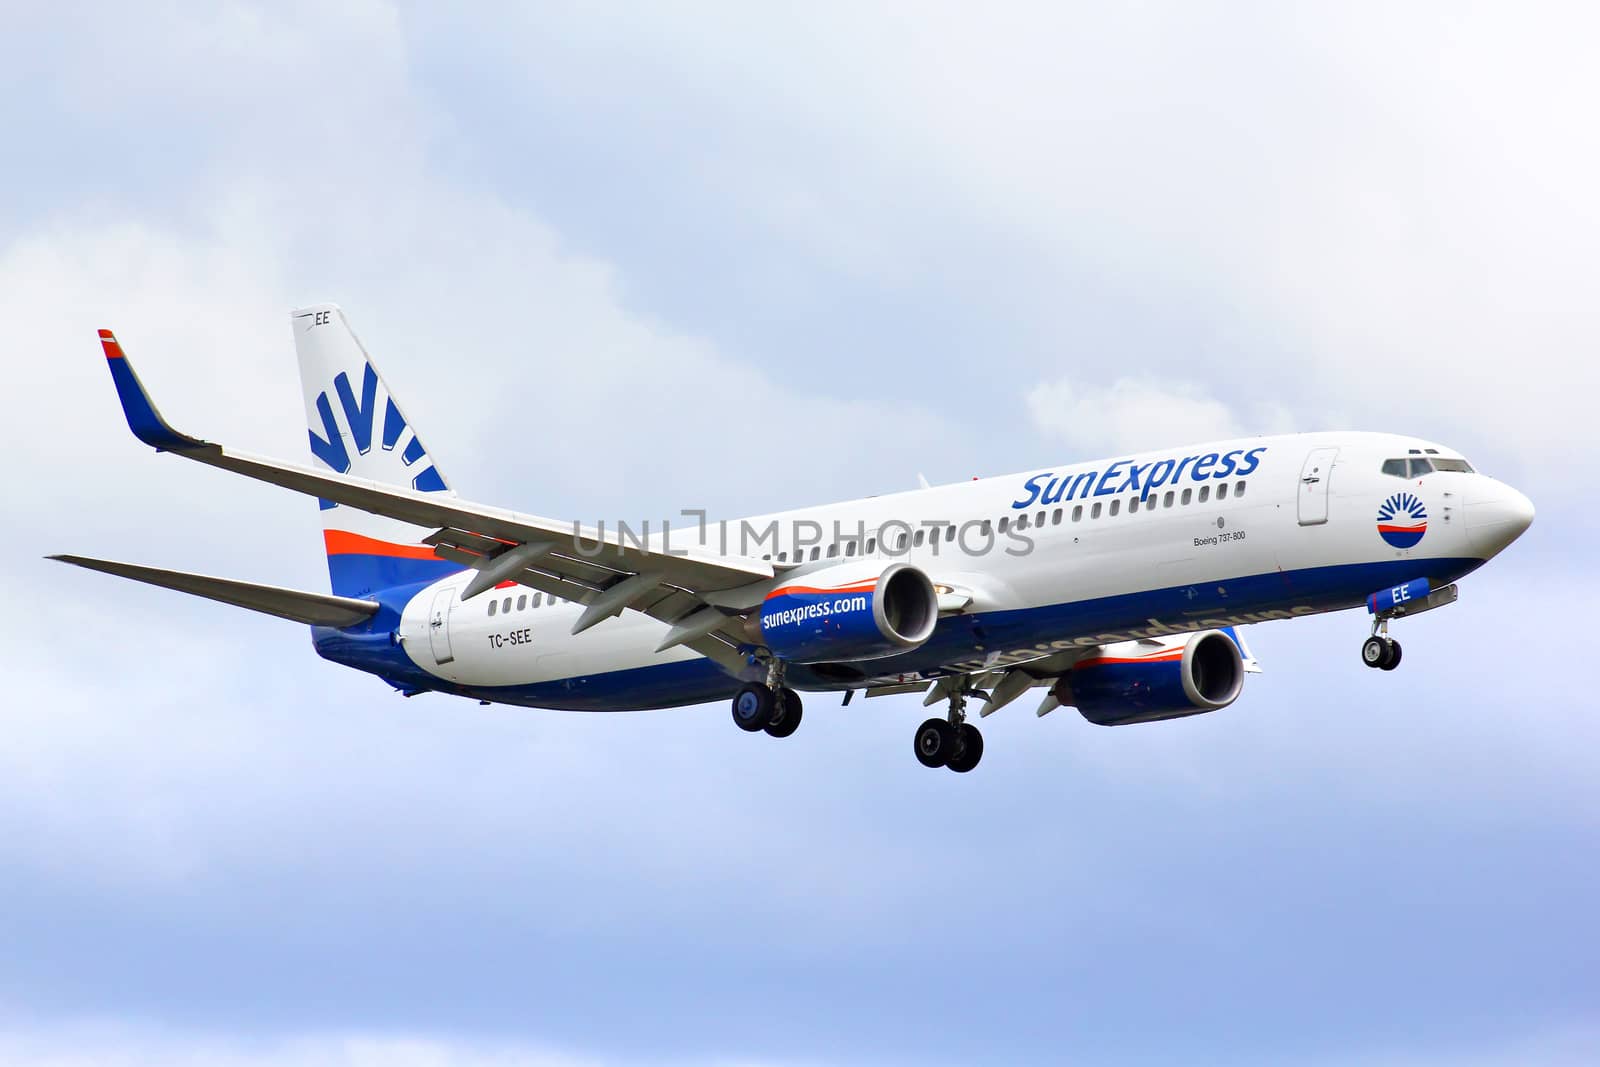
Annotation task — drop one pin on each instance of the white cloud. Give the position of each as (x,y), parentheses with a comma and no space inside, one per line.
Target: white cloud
(1139,414)
(115,1045)
(1394,225)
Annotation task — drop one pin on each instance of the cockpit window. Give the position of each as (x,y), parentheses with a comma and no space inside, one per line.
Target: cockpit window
(1416,467)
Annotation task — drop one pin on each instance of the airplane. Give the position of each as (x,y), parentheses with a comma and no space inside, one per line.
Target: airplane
(1116,586)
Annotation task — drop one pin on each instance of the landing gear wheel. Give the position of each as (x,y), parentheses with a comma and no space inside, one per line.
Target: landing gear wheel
(935,743)
(753,707)
(1393,659)
(785,714)
(1374,651)
(969,749)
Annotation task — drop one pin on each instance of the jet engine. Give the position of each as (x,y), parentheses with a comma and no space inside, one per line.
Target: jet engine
(853,611)
(1146,681)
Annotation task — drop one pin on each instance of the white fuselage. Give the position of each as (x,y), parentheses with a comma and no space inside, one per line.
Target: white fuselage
(1097,558)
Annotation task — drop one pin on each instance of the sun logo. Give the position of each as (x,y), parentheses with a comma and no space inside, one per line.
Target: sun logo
(361,415)
(1402,520)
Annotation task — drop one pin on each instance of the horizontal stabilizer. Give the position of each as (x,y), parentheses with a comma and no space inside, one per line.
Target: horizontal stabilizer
(313,609)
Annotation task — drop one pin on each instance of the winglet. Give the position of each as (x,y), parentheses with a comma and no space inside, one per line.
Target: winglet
(143,418)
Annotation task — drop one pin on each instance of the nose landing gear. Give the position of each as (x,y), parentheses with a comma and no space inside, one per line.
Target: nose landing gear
(1380,650)
(1399,602)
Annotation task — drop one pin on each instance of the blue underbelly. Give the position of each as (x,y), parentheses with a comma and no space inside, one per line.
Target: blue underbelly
(976,636)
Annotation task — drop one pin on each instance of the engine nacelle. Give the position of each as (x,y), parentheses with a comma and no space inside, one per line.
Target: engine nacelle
(855,611)
(1133,682)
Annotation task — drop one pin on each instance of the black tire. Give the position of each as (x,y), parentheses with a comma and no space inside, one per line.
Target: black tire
(753,707)
(1393,659)
(1374,651)
(785,714)
(935,743)
(969,749)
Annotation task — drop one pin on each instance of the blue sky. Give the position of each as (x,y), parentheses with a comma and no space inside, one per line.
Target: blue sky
(711,256)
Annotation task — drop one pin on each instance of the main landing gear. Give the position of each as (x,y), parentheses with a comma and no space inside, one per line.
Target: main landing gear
(950,742)
(1380,650)
(772,707)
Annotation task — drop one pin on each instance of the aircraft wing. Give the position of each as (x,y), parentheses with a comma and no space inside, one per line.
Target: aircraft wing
(608,573)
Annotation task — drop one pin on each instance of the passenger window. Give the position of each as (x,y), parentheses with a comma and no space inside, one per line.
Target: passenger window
(816,551)
(1205,493)
(950,533)
(1116,506)
(1094,512)
(1222,491)
(1022,522)
(1186,495)
(833,550)
(919,538)
(494,605)
(1238,489)
(849,548)
(1077,513)
(536,597)
(1038,520)
(1167,501)
(1396,467)
(1055,517)
(506,607)
(1133,506)
(783,557)
(872,545)
(986,528)
(522,602)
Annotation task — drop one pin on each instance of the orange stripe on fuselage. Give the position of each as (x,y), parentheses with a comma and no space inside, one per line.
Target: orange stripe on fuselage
(811,590)
(1165,657)
(345,543)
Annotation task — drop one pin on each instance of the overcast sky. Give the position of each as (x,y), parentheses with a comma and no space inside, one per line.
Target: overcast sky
(719,256)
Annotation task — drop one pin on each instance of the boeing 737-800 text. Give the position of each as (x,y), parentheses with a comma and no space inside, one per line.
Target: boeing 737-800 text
(1116,586)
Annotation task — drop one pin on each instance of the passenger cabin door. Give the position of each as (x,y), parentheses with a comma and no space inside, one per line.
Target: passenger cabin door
(1314,477)
(439,626)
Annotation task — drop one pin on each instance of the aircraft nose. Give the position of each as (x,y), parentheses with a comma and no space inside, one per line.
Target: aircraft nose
(1496,515)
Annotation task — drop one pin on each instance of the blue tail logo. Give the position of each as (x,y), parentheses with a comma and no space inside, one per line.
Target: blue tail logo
(360,413)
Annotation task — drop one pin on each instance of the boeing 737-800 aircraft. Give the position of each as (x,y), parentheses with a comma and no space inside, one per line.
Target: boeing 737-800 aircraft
(1115,586)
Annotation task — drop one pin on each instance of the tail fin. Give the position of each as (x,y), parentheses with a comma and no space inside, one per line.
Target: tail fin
(357,428)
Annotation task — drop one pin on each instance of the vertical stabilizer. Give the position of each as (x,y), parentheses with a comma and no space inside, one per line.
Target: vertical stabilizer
(358,428)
